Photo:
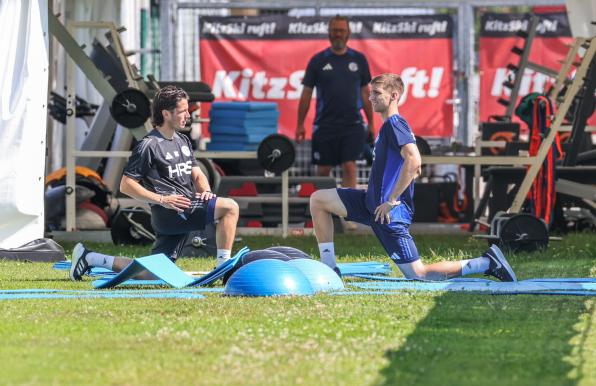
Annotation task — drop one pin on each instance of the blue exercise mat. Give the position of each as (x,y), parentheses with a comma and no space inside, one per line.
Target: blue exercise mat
(364,268)
(480,285)
(231,146)
(66,294)
(475,279)
(243,114)
(241,129)
(238,138)
(242,122)
(167,272)
(248,106)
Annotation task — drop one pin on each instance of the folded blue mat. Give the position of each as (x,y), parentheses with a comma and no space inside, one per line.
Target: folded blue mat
(239,138)
(248,106)
(223,146)
(244,114)
(168,272)
(240,129)
(247,123)
(480,285)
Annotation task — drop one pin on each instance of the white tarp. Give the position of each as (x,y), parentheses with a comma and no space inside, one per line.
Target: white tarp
(23,99)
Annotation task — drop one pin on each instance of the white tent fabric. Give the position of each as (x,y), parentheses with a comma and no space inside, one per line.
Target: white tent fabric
(23,98)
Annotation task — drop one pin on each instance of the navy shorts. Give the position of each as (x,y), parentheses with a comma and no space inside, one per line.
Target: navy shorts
(394,236)
(332,151)
(171,228)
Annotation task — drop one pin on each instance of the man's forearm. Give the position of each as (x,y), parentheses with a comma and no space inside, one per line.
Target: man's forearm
(135,190)
(302,111)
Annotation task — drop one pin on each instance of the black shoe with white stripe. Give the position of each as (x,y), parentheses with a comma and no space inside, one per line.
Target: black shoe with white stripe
(78,263)
(498,266)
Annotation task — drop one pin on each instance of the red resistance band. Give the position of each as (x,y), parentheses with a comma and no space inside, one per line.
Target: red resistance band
(542,194)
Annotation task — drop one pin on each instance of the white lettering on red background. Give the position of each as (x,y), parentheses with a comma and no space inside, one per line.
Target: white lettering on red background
(247,84)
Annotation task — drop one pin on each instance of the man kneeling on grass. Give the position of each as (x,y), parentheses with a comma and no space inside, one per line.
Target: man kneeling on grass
(388,203)
(163,172)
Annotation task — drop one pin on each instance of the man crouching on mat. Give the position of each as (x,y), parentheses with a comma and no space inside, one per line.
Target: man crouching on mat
(163,172)
(388,203)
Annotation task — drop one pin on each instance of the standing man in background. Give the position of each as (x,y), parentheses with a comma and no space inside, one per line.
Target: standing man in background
(340,75)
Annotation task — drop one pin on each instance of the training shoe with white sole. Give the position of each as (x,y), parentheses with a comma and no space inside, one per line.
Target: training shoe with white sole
(498,266)
(78,263)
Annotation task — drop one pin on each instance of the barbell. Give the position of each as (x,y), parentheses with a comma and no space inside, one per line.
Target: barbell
(276,153)
(130,108)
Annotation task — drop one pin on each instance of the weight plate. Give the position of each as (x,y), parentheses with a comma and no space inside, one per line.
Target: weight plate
(132,226)
(130,108)
(276,153)
(523,232)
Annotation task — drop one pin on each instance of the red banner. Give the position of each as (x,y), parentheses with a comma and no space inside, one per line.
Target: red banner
(497,38)
(267,63)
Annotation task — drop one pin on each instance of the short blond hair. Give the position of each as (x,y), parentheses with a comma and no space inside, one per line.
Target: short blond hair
(389,82)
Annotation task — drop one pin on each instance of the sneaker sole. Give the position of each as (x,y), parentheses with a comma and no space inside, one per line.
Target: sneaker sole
(503,261)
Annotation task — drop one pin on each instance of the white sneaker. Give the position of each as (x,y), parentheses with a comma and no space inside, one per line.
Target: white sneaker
(220,260)
(78,263)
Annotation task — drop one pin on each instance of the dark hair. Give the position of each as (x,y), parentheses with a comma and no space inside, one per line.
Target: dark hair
(339,18)
(166,98)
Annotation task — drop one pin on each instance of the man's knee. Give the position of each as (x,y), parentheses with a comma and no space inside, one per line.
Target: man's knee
(228,206)
(413,271)
(319,199)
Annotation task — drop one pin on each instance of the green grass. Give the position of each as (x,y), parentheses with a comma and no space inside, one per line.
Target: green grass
(407,339)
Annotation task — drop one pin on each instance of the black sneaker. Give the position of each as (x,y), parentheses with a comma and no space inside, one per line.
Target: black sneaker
(336,270)
(78,263)
(498,266)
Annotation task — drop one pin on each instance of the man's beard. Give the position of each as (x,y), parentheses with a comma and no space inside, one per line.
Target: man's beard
(338,44)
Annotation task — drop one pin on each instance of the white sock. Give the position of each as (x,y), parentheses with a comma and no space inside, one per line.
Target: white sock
(95,259)
(327,253)
(473,266)
(223,255)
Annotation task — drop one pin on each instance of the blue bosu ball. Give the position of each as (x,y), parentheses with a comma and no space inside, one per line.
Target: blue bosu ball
(268,277)
(292,253)
(257,254)
(320,276)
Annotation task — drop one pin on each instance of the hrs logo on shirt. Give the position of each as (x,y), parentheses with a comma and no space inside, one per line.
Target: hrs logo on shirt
(179,169)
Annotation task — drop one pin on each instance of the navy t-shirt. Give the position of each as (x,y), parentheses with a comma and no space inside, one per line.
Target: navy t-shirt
(163,165)
(386,167)
(338,80)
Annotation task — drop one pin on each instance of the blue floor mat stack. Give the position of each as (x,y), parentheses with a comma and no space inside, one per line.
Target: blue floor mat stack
(241,125)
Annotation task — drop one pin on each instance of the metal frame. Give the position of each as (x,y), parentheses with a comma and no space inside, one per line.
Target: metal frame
(77,55)
(285,200)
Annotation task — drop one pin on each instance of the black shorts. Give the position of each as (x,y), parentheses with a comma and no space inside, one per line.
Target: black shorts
(332,151)
(171,228)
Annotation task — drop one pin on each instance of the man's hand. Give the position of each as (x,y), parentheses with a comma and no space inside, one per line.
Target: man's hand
(300,133)
(382,212)
(175,201)
(205,196)
(370,135)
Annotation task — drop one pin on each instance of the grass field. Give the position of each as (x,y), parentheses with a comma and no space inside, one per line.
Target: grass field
(412,338)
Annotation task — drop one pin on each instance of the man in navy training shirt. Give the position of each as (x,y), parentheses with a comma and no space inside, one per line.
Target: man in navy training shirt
(163,172)
(340,76)
(388,206)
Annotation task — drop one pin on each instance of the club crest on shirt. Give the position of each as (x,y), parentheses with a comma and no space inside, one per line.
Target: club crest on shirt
(353,66)
(185,151)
